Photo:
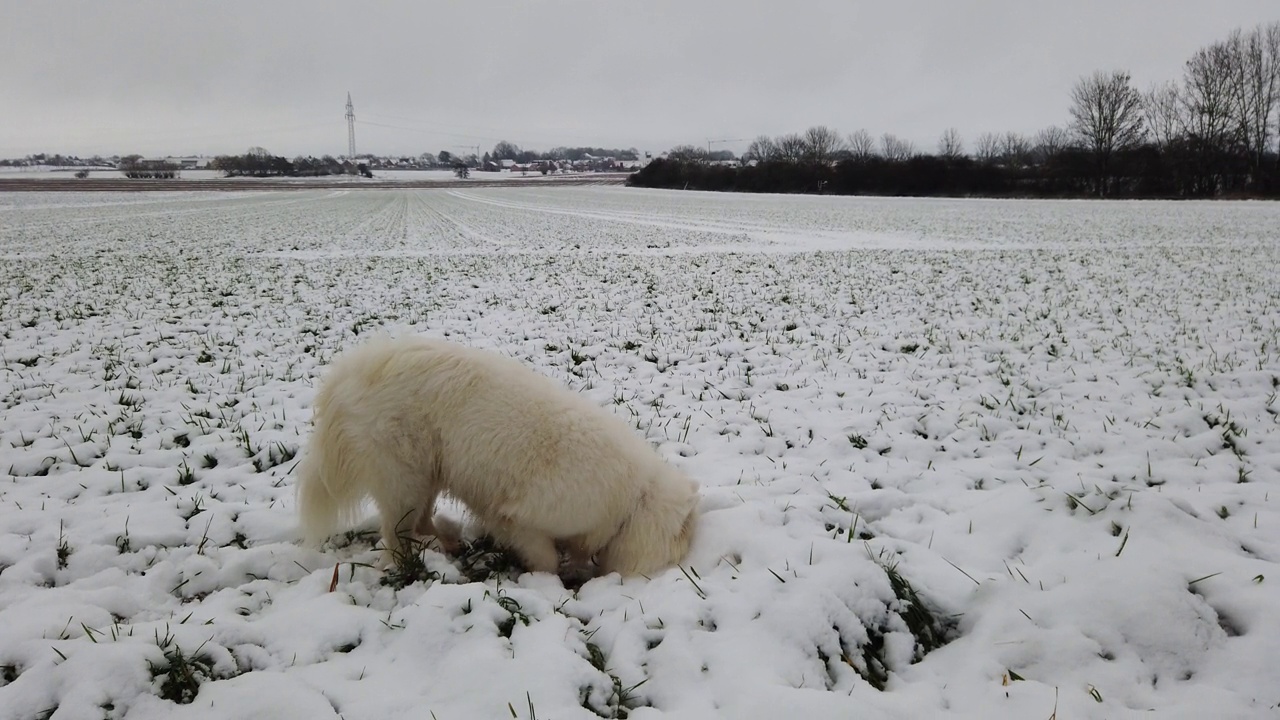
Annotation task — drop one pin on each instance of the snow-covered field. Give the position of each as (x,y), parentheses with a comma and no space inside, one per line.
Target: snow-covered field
(1055,422)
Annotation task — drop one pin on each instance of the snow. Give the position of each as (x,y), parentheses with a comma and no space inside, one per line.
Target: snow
(1056,420)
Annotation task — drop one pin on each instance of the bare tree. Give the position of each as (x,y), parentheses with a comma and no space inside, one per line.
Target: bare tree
(987,149)
(687,153)
(1254,72)
(1015,150)
(1210,119)
(861,144)
(1271,48)
(822,144)
(895,148)
(1050,142)
(792,148)
(1106,115)
(1207,99)
(1162,111)
(762,149)
(950,146)
(505,151)
(1271,45)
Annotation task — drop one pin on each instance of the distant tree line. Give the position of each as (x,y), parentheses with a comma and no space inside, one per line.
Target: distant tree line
(57,160)
(505,150)
(555,159)
(1211,134)
(257,162)
(135,167)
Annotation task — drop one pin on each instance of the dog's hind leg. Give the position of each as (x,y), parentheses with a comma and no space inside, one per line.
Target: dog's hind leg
(397,524)
(536,549)
(447,532)
(405,493)
(403,514)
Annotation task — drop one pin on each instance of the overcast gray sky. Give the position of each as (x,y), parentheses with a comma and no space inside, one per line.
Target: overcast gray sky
(195,76)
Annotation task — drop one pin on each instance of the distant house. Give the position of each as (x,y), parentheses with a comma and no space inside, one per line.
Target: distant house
(539,166)
(592,163)
(188,163)
(507,163)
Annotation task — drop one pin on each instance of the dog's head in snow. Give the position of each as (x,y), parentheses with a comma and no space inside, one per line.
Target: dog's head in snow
(658,534)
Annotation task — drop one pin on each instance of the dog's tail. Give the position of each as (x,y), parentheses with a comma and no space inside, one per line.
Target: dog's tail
(329,494)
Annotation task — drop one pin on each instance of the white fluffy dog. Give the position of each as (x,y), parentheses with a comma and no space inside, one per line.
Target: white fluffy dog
(404,420)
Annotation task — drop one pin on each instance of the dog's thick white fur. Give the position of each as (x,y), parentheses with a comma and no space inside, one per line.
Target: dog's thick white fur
(404,420)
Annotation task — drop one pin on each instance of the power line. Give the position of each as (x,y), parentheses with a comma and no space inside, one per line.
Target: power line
(432,127)
(435,125)
(428,132)
(723,140)
(185,135)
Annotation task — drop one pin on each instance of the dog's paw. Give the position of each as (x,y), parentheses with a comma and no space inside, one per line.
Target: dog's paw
(386,559)
(448,534)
